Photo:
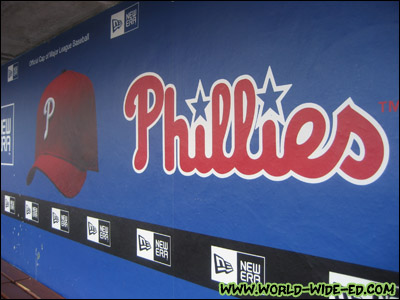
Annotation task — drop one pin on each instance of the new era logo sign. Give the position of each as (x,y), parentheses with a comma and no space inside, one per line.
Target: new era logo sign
(56,219)
(116,24)
(92,229)
(98,231)
(153,246)
(32,211)
(60,219)
(9,204)
(7,135)
(232,266)
(143,244)
(125,21)
(222,265)
(12,72)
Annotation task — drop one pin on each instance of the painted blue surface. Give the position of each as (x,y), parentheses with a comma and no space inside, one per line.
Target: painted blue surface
(327,51)
(77,271)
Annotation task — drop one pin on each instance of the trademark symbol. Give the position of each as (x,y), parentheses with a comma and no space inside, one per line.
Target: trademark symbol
(390,104)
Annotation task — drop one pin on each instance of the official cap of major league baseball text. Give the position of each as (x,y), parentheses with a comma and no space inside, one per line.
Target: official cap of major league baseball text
(66,133)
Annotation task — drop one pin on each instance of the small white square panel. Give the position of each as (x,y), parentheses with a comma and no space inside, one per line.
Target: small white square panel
(144,244)
(92,229)
(223,265)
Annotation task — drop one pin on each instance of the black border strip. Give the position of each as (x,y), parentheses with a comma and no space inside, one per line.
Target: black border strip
(191,252)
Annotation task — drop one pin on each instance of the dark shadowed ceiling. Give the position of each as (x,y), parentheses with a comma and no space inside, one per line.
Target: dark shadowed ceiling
(27,24)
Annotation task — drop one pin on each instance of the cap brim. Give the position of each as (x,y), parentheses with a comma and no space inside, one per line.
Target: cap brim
(66,177)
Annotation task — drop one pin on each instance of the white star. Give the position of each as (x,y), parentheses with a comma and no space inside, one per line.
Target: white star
(198,104)
(270,114)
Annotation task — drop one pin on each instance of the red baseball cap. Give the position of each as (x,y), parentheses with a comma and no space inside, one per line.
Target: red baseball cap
(66,133)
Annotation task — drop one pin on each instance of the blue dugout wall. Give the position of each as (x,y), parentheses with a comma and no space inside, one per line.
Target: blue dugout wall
(160,148)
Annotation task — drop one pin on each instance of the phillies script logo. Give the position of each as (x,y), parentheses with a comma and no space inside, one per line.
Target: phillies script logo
(308,148)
